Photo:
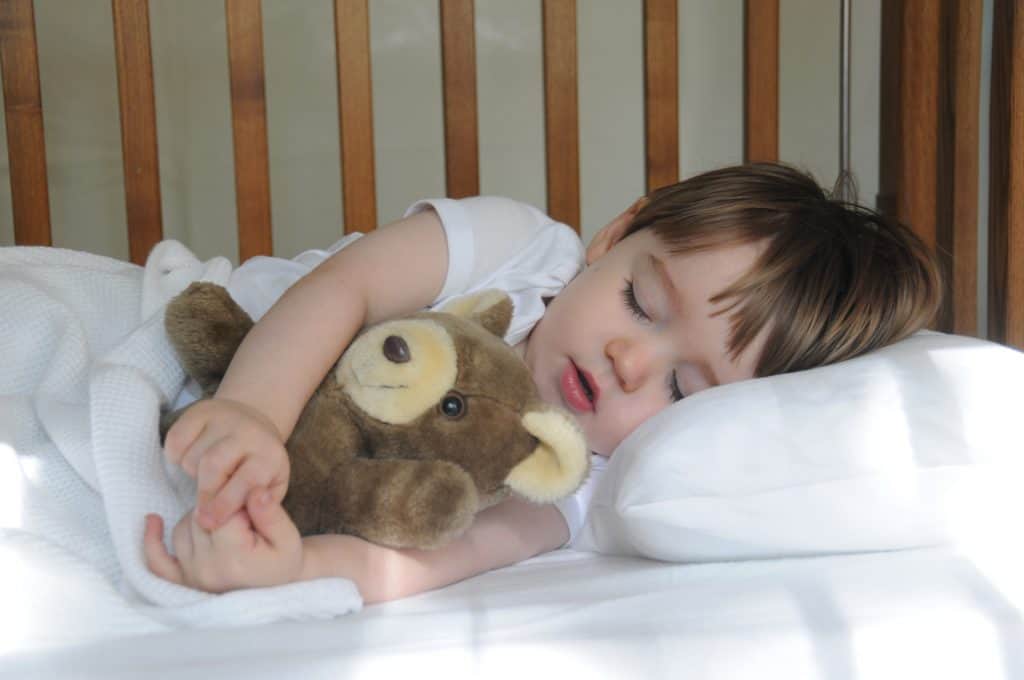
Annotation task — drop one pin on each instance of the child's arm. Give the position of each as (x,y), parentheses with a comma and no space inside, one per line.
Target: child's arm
(260,547)
(501,535)
(234,442)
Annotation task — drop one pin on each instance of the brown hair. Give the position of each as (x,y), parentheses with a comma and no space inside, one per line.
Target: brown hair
(834,280)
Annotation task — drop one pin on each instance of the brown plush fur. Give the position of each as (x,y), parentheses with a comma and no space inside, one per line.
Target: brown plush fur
(374,453)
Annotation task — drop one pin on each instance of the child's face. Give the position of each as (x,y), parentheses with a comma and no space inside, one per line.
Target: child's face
(635,350)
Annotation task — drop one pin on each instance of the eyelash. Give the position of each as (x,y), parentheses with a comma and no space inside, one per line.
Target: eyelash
(633,305)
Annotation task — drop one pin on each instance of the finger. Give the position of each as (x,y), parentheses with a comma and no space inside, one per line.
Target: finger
(209,440)
(269,519)
(237,533)
(229,498)
(217,466)
(183,434)
(158,560)
(200,538)
(181,540)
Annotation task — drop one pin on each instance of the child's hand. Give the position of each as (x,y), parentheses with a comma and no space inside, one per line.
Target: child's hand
(257,546)
(231,449)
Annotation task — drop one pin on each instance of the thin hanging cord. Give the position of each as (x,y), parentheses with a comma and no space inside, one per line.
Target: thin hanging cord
(845,188)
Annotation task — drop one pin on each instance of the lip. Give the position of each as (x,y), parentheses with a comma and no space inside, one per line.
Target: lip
(572,389)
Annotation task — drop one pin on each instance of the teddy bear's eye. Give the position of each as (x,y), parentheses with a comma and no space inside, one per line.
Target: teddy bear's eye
(453,406)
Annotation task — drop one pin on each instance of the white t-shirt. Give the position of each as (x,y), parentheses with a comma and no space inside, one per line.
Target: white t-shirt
(493,242)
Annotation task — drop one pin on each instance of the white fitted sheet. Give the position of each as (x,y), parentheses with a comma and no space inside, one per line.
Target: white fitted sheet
(932,613)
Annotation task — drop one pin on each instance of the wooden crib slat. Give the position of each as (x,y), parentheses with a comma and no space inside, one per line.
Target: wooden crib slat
(249,125)
(918,195)
(458,49)
(931,65)
(761,80)
(661,92)
(961,179)
(1006,176)
(26,147)
(355,112)
(889,118)
(561,112)
(917,134)
(138,126)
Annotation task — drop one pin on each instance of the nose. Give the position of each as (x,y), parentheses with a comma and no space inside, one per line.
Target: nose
(396,350)
(632,360)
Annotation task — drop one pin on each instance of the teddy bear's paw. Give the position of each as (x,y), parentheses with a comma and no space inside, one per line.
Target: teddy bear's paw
(439,505)
(205,327)
(403,503)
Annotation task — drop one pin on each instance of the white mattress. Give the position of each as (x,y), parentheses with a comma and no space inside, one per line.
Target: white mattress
(933,613)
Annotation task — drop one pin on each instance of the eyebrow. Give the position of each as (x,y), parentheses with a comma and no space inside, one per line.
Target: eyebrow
(677,305)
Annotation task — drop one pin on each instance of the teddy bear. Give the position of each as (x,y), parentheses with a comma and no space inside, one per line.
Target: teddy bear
(421,423)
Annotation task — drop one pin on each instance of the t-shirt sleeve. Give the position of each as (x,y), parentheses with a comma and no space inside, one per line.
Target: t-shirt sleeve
(496,242)
(574,508)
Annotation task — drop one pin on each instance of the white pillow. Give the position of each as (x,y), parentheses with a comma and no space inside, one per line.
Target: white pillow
(908,446)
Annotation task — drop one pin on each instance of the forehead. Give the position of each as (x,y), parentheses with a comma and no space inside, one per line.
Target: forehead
(697,277)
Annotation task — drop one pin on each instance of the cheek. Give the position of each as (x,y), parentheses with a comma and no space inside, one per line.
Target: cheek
(608,430)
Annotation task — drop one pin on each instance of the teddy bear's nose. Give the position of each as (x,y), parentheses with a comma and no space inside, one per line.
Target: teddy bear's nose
(396,350)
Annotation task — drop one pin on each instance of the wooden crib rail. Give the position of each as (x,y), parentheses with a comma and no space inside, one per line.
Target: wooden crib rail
(26,147)
(931,56)
(138,126)
(1006,197)
(931,69)
(245,58)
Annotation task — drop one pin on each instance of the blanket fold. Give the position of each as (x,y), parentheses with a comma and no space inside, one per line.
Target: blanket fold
(85,368)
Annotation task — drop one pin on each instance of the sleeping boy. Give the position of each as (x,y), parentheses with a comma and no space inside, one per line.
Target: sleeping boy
(736,273)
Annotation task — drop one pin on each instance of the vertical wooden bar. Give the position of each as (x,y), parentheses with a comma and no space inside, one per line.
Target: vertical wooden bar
(960,177)
(138,126)
(355,112)
(761,80)
(561,112)
(890,120)
(249,125)
(23,104)
(1006,176)
(661,92)
(458,51)
(915,174)
(920,124)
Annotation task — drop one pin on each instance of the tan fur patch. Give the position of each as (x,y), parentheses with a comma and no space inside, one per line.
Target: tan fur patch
(399,393)
(558,465)
(490,308)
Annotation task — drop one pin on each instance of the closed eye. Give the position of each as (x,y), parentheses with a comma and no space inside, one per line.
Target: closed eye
(632,304)
(673,387)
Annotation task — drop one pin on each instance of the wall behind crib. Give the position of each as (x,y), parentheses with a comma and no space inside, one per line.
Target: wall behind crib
(79,92)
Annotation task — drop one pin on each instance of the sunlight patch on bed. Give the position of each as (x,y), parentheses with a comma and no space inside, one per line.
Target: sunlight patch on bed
(10,488)
(904,646)
(17,624)
(987,531)
(513,661)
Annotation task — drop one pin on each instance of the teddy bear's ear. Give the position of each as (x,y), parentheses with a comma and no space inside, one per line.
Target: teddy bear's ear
(558,465)
(490,308)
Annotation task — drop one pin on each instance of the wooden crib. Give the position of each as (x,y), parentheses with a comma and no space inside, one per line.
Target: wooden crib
(931,61)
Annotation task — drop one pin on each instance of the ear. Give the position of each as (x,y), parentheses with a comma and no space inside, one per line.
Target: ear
(492,309)
(558,465)
(612,233)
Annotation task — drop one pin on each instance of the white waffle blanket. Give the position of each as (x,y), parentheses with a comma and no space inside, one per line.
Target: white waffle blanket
(84,369)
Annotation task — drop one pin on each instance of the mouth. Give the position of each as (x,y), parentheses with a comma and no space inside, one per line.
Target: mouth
(350,377)
(579,389)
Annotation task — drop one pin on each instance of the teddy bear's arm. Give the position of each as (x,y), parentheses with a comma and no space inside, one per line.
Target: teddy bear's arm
(399,503)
